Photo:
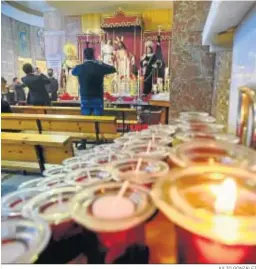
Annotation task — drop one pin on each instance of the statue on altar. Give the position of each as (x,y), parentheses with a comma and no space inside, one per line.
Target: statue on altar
(70,62)
(107,53)
(148,65)
(122,66)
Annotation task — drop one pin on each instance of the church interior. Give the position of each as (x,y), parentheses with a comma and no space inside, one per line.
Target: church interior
(128,132)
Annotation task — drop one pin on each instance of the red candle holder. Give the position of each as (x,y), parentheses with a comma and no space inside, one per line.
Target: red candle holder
(162,130)
(148,172)
(55,170)
(200,127)
(211,152)
(53,182)
(88,177)
(85,160)
(213,208)
(166,128)
(188,136)
(151,152)
(195,117)
(156,139)
(53,207)
(115,235)
(110,157)
(13,203)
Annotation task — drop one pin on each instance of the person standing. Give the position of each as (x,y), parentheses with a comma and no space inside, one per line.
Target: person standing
(147,64)
(5,107)
(4,91)
(90,76)
(19,92)
(37,95)
(53,86)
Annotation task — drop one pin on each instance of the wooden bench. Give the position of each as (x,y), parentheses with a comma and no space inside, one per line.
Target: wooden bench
(78,127)
(32,151)
(125,116)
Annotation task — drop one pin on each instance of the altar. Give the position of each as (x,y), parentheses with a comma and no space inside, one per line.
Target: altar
(141,57)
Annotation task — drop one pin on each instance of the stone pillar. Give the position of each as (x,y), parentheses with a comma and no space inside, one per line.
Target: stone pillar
(191,63)
(54,35)
(221,86)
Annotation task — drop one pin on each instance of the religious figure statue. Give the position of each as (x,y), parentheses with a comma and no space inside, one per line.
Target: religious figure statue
(107,53)
(148,65)
(70,62)
(122,66)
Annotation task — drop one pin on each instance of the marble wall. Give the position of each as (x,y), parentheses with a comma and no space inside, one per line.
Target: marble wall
(19,40)
(192,64)
(221,87)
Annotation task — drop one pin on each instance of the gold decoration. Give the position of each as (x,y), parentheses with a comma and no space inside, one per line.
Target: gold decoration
(70,50)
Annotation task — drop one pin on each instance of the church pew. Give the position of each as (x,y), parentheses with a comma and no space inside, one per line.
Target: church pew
(124,116)
(30,152)
(77,126)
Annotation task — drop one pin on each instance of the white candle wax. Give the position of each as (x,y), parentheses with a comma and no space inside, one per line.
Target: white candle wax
(112,207)
(11,251)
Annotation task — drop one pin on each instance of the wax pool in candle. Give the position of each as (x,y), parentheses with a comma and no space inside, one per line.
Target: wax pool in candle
(58,207)
(112,207)
(11,251)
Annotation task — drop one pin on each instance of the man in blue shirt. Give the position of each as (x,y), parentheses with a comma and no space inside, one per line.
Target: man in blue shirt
(91,76)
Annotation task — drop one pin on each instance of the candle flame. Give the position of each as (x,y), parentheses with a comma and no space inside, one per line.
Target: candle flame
(226,197)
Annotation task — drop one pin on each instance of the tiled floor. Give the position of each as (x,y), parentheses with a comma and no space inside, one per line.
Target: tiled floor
(10,182)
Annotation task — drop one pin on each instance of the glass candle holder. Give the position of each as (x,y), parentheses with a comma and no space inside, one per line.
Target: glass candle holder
(158,132)
(77,165)
(197,118)
(88,177)
(117,222)
(57,169)
(13,203)
(211,152)
(23,240)
(193,114)
(147,151)
(127,140)
(156,139)
(52,206)
(30,183)
(74,160)
(214,210)
(105,159)
(201,127)
(160,129)
(171,128)
(83,152)
(113,147)
(67,237)
(55,181)
(188,136)
(145,173)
